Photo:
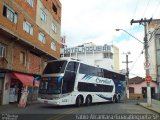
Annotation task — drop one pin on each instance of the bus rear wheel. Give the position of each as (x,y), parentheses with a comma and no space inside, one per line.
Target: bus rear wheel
(78,101)
(88,101)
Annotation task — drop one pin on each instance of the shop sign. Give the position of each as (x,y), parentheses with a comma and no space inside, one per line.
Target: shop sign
(87,49)
(148,79)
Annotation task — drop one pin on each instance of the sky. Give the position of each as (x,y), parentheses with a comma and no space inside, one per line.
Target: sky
(95,21)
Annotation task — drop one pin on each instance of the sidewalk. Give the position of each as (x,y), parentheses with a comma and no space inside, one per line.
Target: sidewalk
(154,107)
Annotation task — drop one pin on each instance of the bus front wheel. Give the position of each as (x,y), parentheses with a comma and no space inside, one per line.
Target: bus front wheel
(78,101)
(114,99)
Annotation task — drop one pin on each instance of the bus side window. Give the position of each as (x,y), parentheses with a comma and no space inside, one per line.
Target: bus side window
(72,66)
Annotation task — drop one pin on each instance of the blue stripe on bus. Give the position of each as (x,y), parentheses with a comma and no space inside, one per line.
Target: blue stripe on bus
(87,77)
(102,96)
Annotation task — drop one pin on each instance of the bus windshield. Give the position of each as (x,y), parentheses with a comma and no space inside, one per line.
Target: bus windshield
(55,67)
(50,86)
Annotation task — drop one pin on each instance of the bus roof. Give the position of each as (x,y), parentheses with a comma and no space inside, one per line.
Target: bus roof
(78,60)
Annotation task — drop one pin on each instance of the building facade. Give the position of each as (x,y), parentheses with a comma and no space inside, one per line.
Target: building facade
(106,56)
(154,51)
(29,37)
(138,89)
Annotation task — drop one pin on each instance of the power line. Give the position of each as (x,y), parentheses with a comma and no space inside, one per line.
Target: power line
(145,9)
(156,9)
(144,12)
(153,33)
(135,8)
(136,61)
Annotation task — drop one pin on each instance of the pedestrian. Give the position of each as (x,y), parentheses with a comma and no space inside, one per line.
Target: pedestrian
(20,86)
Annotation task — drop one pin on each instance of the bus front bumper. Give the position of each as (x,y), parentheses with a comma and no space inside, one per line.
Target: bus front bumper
(53,102)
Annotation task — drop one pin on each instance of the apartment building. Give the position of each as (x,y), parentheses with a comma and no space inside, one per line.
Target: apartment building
(29,37)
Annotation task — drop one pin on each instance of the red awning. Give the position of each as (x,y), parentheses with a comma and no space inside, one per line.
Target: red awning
(25,79)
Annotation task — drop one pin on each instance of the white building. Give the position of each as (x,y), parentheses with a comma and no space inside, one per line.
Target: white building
(106,56)
(154,50)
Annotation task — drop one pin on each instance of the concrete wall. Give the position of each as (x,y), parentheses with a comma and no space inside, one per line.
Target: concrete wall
(116,59)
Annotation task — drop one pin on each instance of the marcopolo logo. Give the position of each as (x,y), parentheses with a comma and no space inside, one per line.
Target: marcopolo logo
(108,81)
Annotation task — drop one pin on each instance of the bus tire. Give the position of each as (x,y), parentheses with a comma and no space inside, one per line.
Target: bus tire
(114,99)
(118,99)
(88,100)
(78,101)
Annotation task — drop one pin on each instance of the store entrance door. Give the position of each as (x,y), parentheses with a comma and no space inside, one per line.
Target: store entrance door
(1,90)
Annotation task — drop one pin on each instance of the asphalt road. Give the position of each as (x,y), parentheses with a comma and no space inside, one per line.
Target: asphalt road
(106,111)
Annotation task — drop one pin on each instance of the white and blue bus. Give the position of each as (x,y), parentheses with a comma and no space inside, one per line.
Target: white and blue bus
(68,82)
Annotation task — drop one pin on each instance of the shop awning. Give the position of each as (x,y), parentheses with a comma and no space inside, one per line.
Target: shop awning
(25,79)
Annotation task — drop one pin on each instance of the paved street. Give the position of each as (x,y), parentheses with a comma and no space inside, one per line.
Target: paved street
(108,111)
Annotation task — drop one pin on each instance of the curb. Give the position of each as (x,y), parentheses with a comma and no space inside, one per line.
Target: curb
(149,108)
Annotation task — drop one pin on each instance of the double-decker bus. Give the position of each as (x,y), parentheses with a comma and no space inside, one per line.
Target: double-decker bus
(68,82)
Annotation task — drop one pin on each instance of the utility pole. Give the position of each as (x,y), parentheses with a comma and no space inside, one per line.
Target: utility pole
(127,73)
(145,22)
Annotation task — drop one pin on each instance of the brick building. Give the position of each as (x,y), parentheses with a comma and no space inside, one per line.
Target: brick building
(29,37)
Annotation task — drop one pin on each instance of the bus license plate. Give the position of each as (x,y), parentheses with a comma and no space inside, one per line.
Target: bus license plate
(45,101)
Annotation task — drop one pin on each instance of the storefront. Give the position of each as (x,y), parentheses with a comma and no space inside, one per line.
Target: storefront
(13,85)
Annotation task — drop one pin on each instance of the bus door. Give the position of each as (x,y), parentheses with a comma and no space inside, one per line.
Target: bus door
(69,80)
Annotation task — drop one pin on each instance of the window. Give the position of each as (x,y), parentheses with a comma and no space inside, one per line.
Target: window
(86,69)
(54,28)
(54,8)
(22,58)
(92,87)
(41,37)
(53,46)
(108,55)
(43,16)
(90,70)
(108,74)
(72,66)
(109,48)
(30,2)
(27,27)
(2,50)
(111,55)
(55,67)
(10,14)
(131,89)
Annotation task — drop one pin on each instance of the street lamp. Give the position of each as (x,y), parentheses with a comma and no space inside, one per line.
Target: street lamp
(130,35)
